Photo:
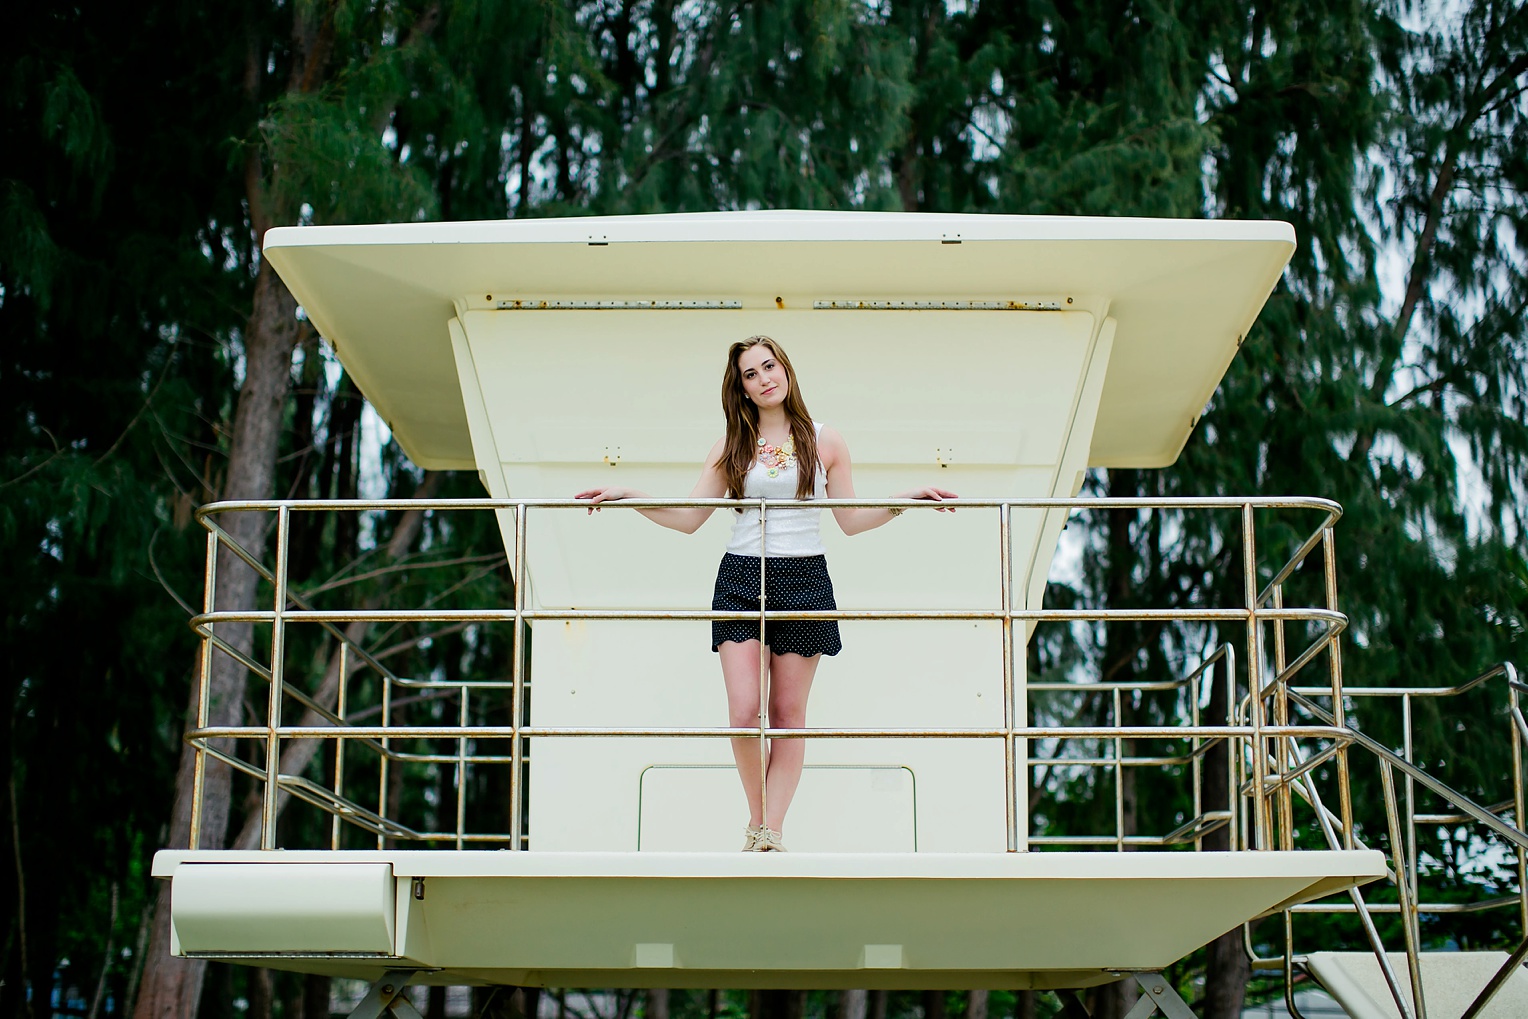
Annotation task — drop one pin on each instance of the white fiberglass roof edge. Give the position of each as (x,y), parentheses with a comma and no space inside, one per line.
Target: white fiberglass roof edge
(785,225)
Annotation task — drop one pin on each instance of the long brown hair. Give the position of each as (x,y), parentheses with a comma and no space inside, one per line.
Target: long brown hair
(742,445)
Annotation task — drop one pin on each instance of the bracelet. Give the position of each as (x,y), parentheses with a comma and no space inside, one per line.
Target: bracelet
(896,511)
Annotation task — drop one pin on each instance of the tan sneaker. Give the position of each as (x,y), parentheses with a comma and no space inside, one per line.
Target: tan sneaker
(751,836)
(768,841)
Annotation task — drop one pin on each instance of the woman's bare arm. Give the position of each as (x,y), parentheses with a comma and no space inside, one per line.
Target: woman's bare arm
(712,485)
(834,453)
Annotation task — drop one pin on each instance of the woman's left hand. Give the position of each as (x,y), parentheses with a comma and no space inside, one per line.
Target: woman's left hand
(930,494)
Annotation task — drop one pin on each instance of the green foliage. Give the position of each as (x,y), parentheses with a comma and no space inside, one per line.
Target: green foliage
(145,151)
(329,164)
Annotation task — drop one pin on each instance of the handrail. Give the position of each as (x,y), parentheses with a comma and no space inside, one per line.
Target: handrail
(726,732)
(1226,502)
(1475,811)
(1333,619)
(1500,669)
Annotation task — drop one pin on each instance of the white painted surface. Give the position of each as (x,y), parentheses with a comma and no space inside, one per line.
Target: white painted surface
(1184,291)
(316,906)
(447,329)
(575,399)
(860,808)
(1450,983)
(905,920)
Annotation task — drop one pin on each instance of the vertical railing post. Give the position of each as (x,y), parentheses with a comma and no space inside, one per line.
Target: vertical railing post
(1286,759)
(1260,819)
(1196,770)
(278,681)
(463,713)
(1408,750)
(341,706)
(387,756)
(1011,776)
(1233,759)
(1514,710)
(1339,710)
(763,674)
(204,689)
(1404,889)
(517,688)
(1118,706)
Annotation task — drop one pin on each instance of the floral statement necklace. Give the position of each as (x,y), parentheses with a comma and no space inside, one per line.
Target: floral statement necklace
(772,458)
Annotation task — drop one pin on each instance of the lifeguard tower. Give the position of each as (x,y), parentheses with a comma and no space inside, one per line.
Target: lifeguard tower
(996,356)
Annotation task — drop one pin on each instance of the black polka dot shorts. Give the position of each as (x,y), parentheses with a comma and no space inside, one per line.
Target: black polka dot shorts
(794,583)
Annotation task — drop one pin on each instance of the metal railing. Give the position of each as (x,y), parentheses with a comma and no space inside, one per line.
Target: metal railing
(1401,822)
(1282,741)
(330,719)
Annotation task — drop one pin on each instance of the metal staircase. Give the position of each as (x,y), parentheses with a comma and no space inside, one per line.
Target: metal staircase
(1415,983)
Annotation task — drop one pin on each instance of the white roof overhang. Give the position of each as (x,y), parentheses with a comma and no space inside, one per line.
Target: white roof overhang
(1184,294)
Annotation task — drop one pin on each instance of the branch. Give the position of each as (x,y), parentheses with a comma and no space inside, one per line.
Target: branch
(58,451)
(111,930)
(1435,386)
(1416,281)
(470,578)
(163,581)
(21,896)
(407,563)
(413,642)
(254,183)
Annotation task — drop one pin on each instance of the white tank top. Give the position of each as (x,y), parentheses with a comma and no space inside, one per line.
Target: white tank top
(787,532)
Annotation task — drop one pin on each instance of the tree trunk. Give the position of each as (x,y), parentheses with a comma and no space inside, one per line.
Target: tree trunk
(1122,643)
(976,1005)
(1227,969)
(853,1004)
(657,1004)
(262,994)
(506,1002)
(171,987)
(777,1005)
(299,753)
(315,996)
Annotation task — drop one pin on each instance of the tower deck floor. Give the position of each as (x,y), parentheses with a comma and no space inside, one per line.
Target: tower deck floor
(800,920)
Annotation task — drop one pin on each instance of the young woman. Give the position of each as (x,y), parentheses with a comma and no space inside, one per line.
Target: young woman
(772,450)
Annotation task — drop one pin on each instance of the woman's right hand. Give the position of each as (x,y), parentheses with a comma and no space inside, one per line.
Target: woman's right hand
(595,496)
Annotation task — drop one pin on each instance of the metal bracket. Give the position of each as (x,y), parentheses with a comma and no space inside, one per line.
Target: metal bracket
(1158,995)
(386,997)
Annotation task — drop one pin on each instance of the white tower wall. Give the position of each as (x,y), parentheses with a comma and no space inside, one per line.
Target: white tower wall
(568,402)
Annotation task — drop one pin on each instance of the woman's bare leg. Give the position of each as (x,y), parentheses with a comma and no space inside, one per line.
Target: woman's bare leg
(790,682)
(740,674)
